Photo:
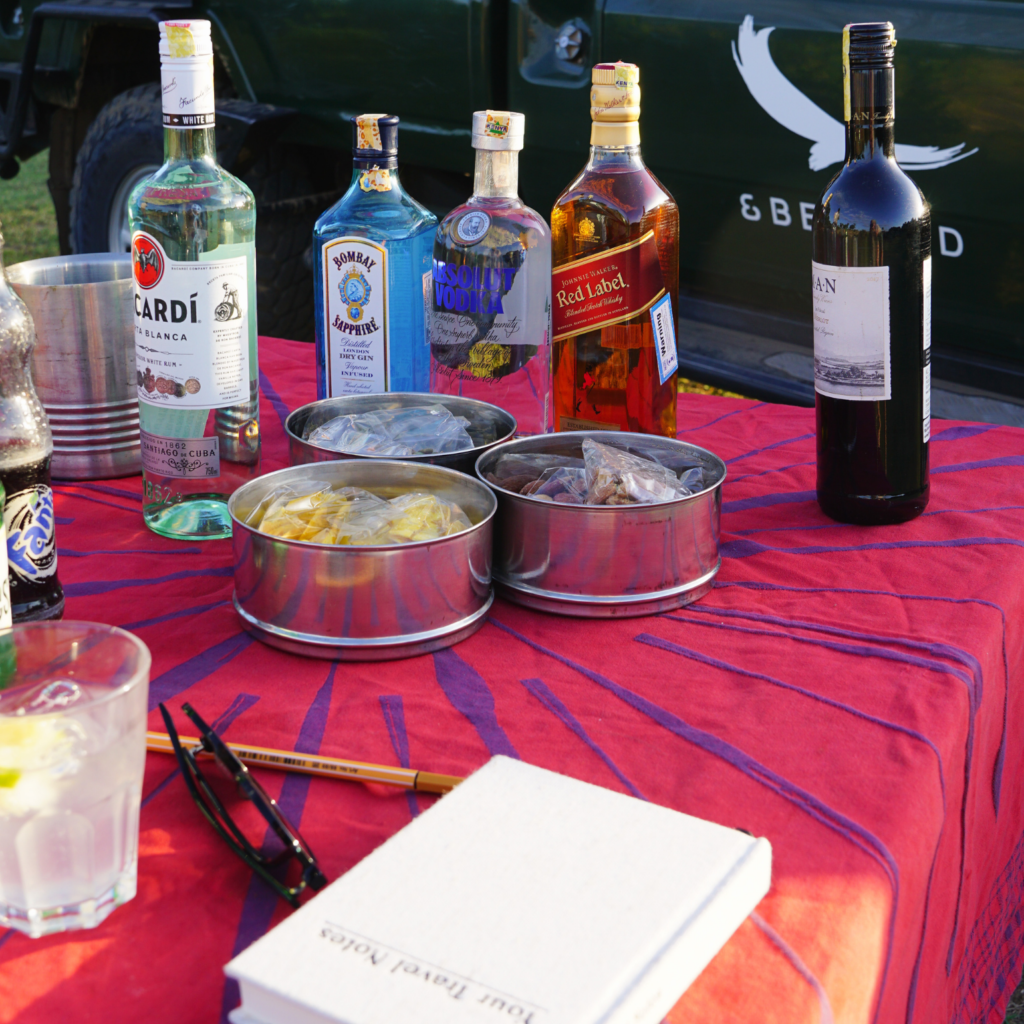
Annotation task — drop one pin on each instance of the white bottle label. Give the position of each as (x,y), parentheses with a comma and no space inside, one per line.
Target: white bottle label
(28,523)
(926,288)
(186,85)
(356,316)
(191,329)
(851,332)
(182,458)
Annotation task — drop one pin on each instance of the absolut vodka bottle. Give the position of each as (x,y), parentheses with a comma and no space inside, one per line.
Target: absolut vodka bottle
(490,330)
(372,258)
(194,260)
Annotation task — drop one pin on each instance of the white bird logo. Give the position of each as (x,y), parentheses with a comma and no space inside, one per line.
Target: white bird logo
(783,101)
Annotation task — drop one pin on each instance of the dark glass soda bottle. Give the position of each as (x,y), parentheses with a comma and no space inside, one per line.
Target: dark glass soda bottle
(26,447)
(871,296)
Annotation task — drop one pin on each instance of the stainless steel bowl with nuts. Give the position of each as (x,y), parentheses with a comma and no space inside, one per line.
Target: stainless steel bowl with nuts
(608,560)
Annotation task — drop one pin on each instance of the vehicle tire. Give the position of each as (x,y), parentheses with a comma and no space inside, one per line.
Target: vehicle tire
(121,147)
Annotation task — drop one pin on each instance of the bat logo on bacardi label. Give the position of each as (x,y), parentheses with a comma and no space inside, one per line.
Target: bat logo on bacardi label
(147,261)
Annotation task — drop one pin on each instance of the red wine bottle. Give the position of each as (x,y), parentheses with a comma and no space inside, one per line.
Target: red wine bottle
(871,296)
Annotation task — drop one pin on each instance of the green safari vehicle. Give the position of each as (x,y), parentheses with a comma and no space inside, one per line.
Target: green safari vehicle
(741,120)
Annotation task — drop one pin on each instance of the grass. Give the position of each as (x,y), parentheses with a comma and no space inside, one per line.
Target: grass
(26,213)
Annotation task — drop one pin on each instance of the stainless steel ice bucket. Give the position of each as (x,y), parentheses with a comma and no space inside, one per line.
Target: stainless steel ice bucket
(84,360)
(605,561)
(367,603)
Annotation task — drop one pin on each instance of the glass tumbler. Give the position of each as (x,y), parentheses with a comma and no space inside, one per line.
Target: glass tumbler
(73,707)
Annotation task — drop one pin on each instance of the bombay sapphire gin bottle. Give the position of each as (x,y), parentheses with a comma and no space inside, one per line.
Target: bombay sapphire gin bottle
(490,298)
(194,266)
(372,252)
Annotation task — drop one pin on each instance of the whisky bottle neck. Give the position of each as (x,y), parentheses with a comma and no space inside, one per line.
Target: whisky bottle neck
(496,175)
(190,145)
(615,159)
(870,103)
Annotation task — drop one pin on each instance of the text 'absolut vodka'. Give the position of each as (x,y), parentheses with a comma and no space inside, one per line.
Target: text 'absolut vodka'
(471,289)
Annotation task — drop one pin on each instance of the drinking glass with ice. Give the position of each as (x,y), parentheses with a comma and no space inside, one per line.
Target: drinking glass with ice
(73,706)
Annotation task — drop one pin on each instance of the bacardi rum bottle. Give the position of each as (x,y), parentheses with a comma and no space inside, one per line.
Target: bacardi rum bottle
(615,276)
(490,328)
(193,249)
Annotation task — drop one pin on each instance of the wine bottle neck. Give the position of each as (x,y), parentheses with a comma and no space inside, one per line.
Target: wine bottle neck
(870,102)
(496,174)
(190,144)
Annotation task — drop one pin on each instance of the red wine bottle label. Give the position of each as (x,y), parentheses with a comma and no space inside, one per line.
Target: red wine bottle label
(851,332)
(184,458)
(607,288)
(191,328)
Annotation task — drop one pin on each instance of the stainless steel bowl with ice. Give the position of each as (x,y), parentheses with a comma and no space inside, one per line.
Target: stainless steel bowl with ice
(364,603)
(487,426)
(604,561)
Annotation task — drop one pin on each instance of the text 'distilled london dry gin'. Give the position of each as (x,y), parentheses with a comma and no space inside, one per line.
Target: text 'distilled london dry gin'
(371,251)
(615,276)
(490,326)
(871,296)
(194,261)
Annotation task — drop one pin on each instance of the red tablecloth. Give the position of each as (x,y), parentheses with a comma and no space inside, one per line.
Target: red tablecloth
(845,692)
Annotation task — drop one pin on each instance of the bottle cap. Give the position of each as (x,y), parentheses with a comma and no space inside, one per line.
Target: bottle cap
(188,37)
(374,135)
(498,130)
(869,44)
(615,104)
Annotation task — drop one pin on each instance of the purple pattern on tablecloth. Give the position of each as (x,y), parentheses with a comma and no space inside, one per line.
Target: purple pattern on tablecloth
(394,719)
(94,588)
(859,836)
(260,899)
(798,965)
(468,693)
(988,968)
(537,688)
(767,500)
(178,679)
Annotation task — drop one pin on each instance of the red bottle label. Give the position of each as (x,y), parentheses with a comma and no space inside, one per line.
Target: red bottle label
(607,288)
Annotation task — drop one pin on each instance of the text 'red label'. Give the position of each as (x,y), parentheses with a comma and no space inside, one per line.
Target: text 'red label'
(608,288)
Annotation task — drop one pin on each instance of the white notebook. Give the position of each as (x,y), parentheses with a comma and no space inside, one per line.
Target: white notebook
(521,897)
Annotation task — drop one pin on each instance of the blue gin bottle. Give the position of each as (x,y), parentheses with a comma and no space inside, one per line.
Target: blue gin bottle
(372,253)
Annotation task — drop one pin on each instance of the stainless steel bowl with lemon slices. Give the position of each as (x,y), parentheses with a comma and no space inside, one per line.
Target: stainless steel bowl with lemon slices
(362,560)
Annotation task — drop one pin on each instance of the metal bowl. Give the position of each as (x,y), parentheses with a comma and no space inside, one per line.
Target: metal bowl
(605,561)
(488,426)
(369,603)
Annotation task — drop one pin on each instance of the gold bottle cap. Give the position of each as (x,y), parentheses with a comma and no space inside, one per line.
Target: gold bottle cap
(615,105)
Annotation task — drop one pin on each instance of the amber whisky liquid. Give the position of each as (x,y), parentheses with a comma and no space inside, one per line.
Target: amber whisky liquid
(609,378)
